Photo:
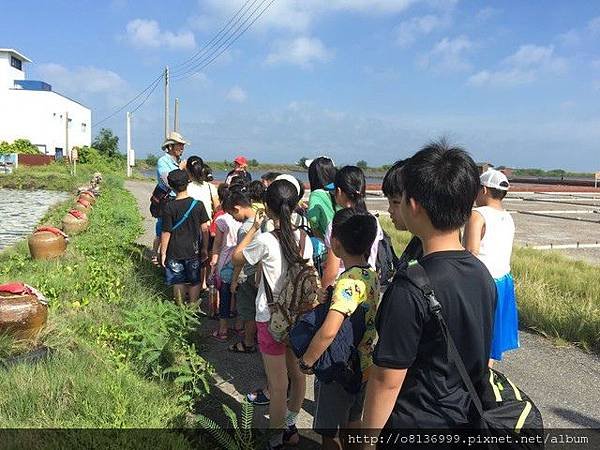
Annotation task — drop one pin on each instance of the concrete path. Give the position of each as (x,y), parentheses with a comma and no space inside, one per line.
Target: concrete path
(563,382)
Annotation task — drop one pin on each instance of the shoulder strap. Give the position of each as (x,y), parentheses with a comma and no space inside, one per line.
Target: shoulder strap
(185,216)
(417,276)
(268,290)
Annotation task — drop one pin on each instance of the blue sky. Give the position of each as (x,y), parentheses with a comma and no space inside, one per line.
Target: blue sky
(517,83)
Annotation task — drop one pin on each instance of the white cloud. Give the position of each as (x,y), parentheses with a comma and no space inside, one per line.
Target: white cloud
(142,33)
(594,26)
(237,95)
(522,67)
(298,16)
(301,51)
(487,13)
(448,55)
(86,84)
(409,30)
(578,36)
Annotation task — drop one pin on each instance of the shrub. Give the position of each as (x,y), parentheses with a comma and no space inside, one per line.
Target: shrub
(20,146)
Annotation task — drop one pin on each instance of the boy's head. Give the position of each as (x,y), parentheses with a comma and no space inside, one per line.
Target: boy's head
(268,178)
(392,189)
(439,184)
(256,191)
(494,185)
(237,203)
(178,180)
(222,191)
(352,232)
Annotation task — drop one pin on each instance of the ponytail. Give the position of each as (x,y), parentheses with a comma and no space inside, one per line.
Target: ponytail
(351,181)
(282,197)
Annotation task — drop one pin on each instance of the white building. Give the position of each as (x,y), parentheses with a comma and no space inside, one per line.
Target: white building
(30,109)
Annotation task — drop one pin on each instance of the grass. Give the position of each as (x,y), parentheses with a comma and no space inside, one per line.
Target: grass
(556,296)
(123,354)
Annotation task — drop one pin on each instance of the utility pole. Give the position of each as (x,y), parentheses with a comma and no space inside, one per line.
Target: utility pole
(176,116)
(129,152)
(67,150)
(166,102)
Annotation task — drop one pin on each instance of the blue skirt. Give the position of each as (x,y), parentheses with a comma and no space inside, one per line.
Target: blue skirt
(506,321)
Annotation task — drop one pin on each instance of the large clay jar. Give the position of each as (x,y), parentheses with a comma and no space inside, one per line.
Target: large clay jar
(47,243)
(82,205)
(23,311)
(75,222)
(88,196)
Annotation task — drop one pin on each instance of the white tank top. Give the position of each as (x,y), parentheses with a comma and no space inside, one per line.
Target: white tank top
(495,249)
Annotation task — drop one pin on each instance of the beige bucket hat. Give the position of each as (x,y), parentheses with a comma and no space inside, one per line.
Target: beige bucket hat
(174,138)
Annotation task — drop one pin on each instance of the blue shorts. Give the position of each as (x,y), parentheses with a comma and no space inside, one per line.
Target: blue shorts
(183,271)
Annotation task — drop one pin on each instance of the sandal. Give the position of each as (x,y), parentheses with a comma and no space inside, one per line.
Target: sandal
(241,347)
(291,436)
(258,397)
(219,337)
(155,261)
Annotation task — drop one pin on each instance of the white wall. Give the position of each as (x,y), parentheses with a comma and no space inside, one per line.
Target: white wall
(39,115)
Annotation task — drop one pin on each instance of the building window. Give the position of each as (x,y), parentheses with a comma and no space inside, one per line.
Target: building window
(83,127)
(16,63)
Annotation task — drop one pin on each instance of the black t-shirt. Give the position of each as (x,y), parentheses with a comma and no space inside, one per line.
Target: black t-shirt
(433,395)
(185,240)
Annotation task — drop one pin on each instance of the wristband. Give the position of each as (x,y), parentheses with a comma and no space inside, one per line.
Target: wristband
(304,366)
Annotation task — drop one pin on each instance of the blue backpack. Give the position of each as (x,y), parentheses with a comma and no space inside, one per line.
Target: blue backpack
(340,362)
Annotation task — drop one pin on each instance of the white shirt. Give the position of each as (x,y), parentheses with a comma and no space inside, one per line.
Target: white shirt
(203,192)
(265,249)
(229,227)
(495,248)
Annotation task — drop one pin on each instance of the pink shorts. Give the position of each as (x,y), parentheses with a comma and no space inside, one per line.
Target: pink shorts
(266,343)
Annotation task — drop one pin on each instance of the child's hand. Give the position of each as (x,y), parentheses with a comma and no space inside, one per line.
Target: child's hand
(323,294)
(259,219)
(163,259)
(234,286)
(214,260)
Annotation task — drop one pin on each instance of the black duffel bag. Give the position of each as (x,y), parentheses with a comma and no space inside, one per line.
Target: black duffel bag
(502,409)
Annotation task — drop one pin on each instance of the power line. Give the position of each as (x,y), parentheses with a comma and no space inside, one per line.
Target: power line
(210,50)
(207,60)
(209,43)
(156,80)
(156,83)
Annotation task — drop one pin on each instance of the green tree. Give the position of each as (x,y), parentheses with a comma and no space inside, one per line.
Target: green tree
(362,164)
(302,161)
(106,143)
(253,163)
(20,146)
(152,160)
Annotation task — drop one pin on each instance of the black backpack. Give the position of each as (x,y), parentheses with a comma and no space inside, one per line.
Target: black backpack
(387,261)
(502,409)
(158,200)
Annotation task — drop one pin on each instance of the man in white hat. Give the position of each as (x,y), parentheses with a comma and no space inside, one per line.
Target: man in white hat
(171,160)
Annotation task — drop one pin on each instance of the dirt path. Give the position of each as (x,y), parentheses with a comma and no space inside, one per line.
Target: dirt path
(563,382)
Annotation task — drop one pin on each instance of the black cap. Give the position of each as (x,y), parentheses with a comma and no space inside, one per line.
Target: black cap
(178,179)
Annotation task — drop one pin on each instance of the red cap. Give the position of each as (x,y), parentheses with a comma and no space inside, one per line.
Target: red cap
(241,161)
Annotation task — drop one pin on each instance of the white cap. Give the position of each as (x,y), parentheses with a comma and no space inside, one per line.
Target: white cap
(308,162)
(291,179)
(494,179)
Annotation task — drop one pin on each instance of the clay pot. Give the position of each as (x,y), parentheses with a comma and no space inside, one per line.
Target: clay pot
(75,222)
(82,205)
(88,196)
(22,315)
(47,243)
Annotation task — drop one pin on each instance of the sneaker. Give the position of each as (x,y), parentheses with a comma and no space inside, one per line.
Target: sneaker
(258,397)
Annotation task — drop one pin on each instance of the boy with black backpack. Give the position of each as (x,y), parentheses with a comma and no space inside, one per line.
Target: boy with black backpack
(356,291)
(412,384)
(184,239)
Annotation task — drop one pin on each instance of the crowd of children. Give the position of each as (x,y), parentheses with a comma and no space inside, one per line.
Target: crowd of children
(243,238)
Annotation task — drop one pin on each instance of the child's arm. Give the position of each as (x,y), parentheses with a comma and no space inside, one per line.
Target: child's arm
(382,391)
(205,239)
(216,249)
(324,337)
(237,269)
(331,269)
(474,230)
(165,237)
(238,257)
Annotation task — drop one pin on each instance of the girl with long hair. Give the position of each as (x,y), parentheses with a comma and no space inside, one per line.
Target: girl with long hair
(350,192)
(276,251)
(321,208)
